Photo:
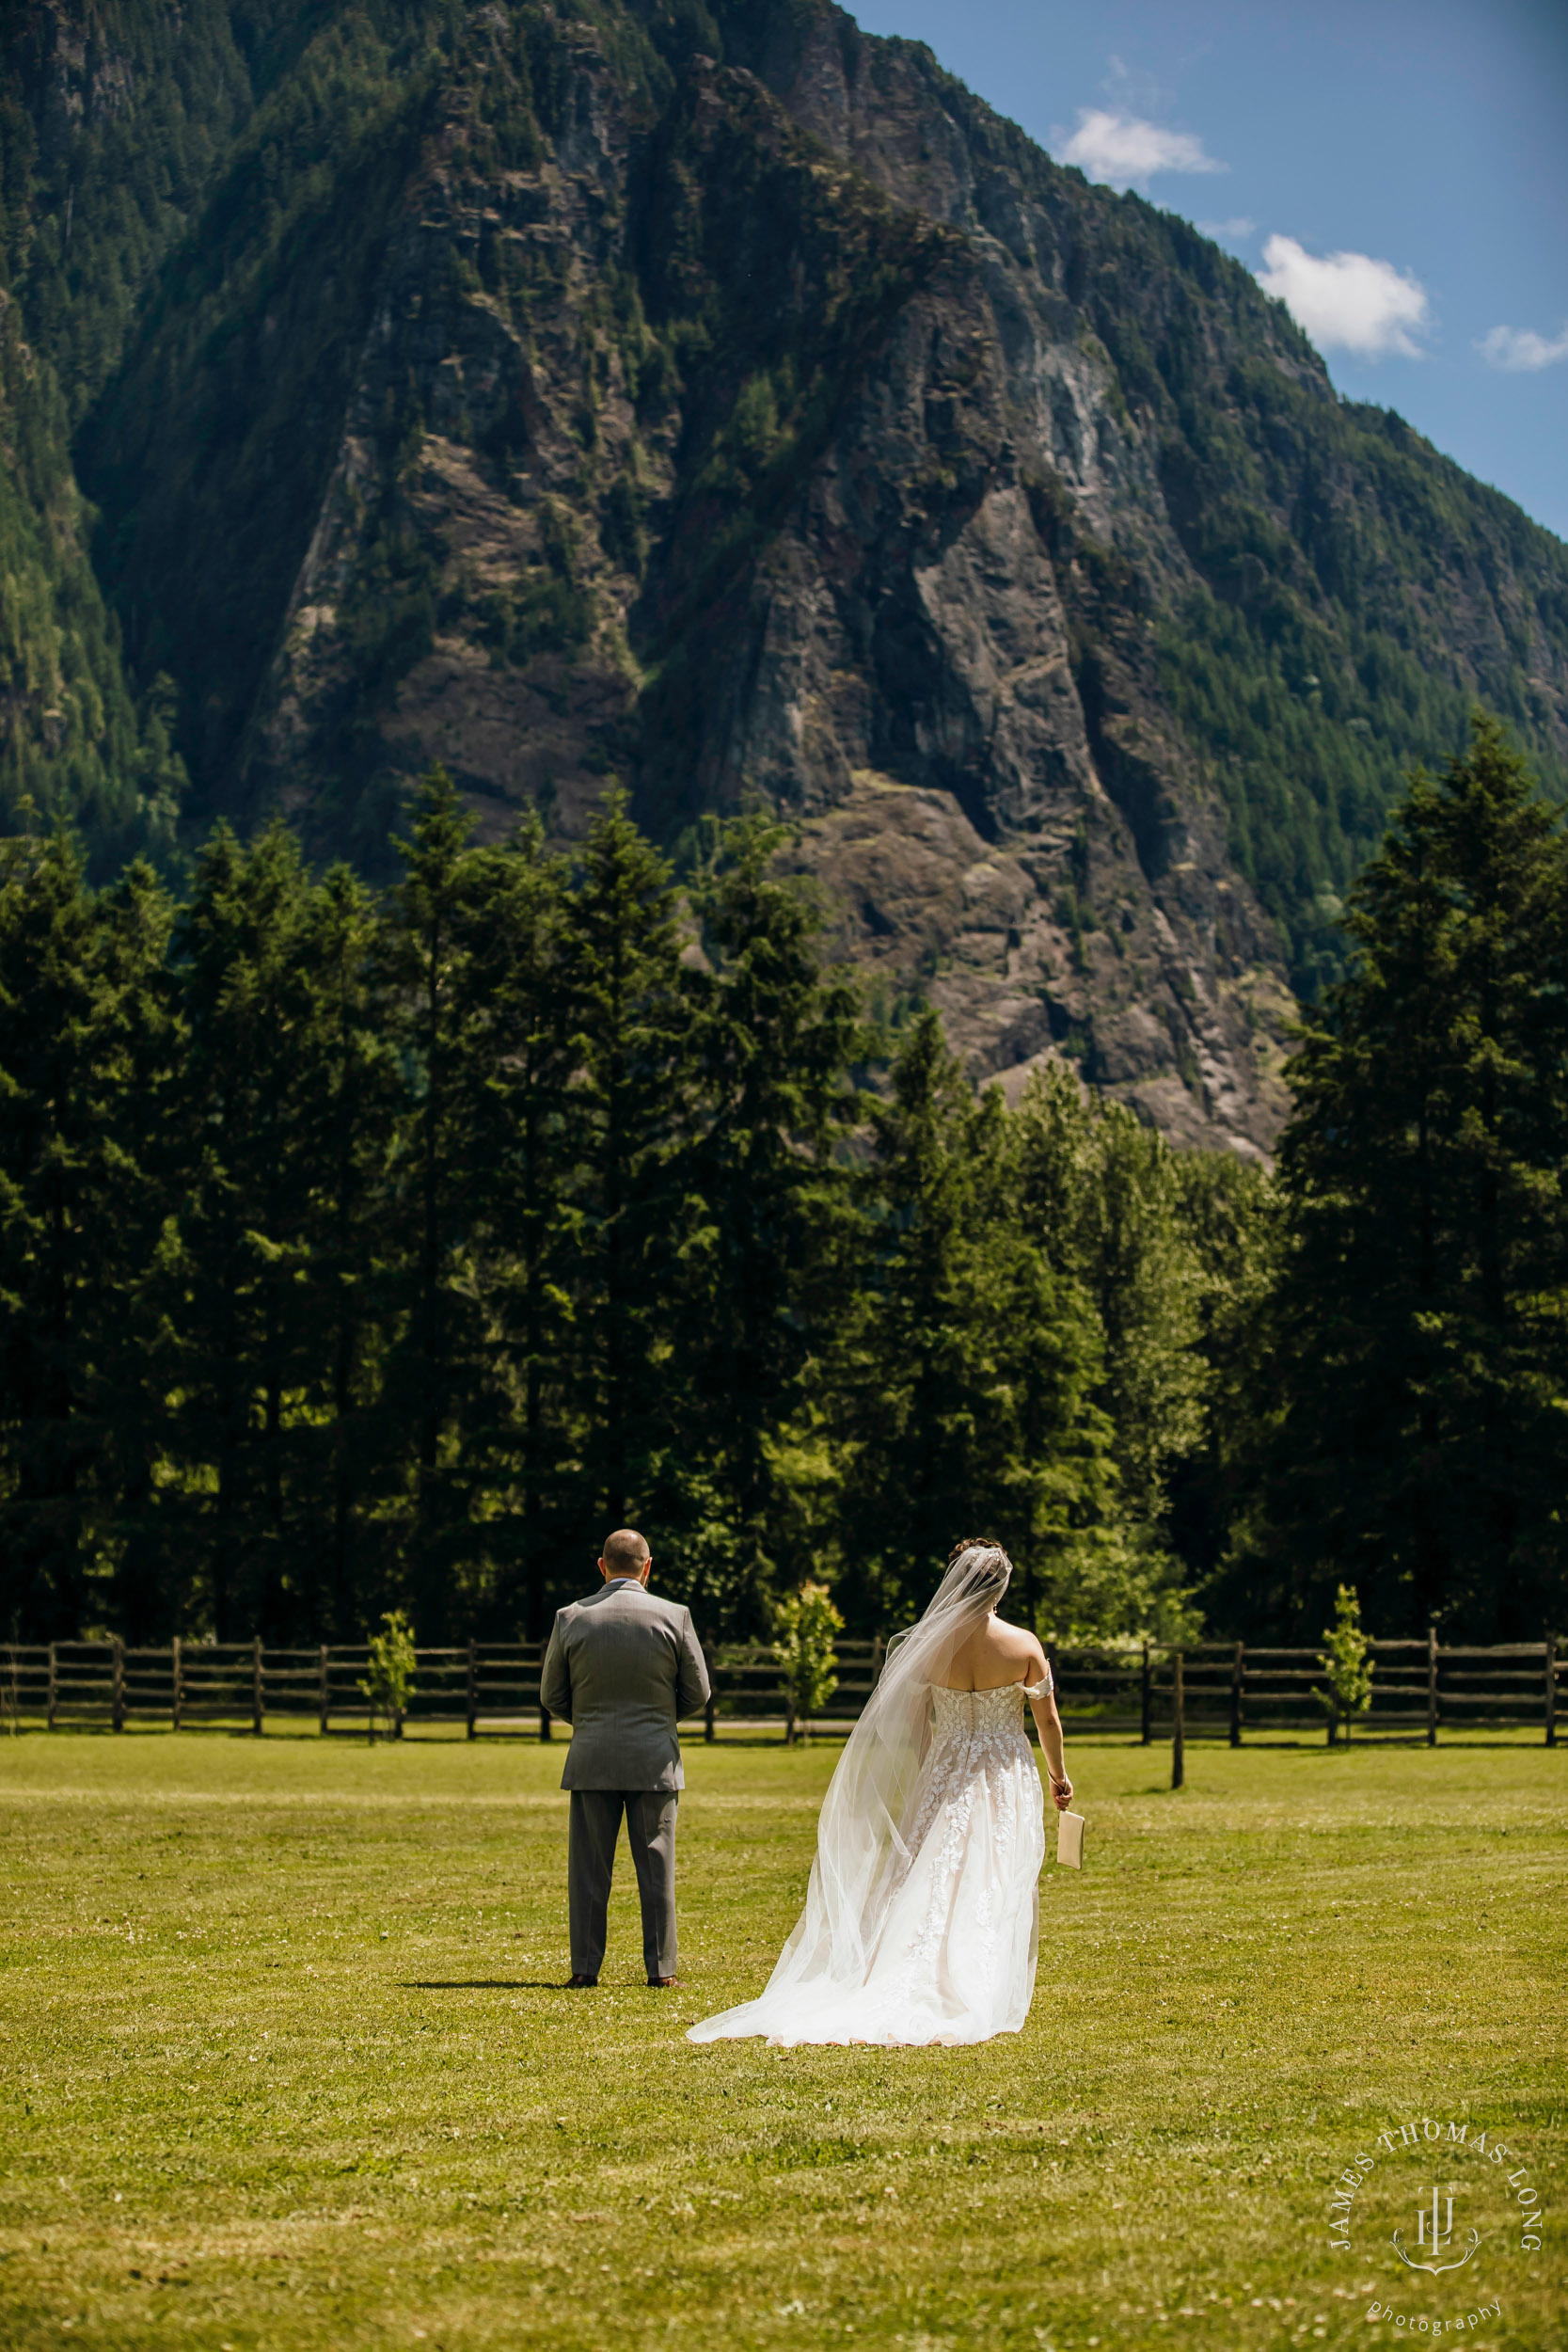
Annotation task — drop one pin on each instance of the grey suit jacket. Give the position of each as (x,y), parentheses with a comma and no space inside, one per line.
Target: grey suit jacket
(622,1666)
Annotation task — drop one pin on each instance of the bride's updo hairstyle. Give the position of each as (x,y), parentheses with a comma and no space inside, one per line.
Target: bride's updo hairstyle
(977,1570)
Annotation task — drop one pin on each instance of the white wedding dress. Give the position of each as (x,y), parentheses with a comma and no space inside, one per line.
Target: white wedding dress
(937,1941)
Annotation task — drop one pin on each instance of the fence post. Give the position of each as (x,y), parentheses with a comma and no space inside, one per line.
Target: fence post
(116,1687)
(323,1692)
(709,1732)
(54,1685)
(1147,1708)
(1551,1692)
(1178,1761)
(544,1710)
(473,1688)
(255,1685)
(176,1691)
(1432,1682)
(1236,1672)
(879,1651)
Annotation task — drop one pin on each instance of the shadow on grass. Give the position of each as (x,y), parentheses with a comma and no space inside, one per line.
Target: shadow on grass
(489,1984)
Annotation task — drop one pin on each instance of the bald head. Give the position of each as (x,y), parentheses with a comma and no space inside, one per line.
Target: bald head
(626,1553)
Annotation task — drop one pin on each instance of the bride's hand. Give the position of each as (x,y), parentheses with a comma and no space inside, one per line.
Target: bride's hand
(1062,1792)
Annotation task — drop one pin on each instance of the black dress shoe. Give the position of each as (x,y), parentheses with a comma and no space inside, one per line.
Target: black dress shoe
(583,1984)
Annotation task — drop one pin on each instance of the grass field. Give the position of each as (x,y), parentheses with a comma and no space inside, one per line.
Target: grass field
(287,2063)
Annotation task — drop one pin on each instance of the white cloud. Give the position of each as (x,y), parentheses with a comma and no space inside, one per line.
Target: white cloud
(1520,347)
(1227,232)
(1347,301)
(1122,150)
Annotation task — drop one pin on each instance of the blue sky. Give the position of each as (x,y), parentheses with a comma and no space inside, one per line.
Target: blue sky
(1395,169)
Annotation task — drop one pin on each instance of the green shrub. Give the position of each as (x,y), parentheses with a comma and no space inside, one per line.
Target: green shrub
(1344,1660)
(805,1624)
(389,1682)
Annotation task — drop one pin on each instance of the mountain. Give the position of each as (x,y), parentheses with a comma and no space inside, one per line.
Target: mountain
(721,399)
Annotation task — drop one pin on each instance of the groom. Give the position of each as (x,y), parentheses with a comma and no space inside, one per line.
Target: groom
(622,1668)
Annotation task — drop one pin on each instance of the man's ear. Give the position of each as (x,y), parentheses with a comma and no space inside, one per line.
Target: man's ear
(646,1566)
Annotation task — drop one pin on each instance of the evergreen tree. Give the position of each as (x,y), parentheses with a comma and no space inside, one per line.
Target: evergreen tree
(1424,1315)
(631,1110)
(1139,1271)
(1232,1222)
(236,1293)
(1103,1196)
(525,1139)
(352,1099)
(967,1377)
(914,1407)
(427,951)
(75,1216)
(137,1370)
(772,1040)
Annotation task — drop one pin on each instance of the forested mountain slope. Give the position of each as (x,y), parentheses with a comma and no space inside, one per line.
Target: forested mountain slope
(721,398)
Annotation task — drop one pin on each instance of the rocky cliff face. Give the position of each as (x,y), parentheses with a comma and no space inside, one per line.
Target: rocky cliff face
(728,402)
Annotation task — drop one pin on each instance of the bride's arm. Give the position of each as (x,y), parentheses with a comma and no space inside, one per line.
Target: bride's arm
(1049,1724)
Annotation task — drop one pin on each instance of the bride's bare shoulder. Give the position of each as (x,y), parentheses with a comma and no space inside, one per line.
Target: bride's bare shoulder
(1013,1642)
(994,1654)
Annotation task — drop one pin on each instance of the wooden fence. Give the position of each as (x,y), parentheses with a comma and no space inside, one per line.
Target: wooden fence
(1209,1690)
(1223,1690)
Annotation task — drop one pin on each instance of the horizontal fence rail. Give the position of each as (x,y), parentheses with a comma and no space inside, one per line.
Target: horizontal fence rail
(1221,1690)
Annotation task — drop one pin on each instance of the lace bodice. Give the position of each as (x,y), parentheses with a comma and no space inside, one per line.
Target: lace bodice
(979,1715)
(958,1712)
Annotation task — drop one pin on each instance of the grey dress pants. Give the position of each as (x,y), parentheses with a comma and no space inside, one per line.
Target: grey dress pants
(596,1825)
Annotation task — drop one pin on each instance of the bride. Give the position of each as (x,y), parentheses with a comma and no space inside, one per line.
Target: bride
(922,1918)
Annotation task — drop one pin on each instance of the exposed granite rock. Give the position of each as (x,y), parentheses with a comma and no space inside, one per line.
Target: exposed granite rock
(927,904)
(893,661)
(749,430)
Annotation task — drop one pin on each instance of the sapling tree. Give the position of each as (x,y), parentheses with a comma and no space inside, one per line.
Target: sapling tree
(389,1683)
(805,1624)
(1345,1661)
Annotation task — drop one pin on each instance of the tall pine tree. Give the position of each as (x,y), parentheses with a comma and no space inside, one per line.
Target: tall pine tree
(352,1096)
(236,1293)
(428,940)
(137,1373)
(84,1023)
(967,1380)
(525,1132)
(1425,1306)
(630,1110)
(772,1040)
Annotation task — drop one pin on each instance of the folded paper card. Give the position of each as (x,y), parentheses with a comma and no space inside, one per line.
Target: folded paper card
(1070,1840)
